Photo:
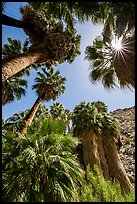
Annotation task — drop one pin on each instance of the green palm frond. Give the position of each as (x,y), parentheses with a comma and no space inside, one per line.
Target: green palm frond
(47,168)
(93,117)
(49,84)
(13,48)
(13,89)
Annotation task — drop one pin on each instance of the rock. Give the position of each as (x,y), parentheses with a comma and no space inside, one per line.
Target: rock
(126,119)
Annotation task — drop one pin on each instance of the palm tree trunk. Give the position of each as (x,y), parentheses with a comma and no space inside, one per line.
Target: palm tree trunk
(115,165)
(90,150)
(9,21)
(102,151)
(93,152)
(29,118)
(102,157)
(14,65)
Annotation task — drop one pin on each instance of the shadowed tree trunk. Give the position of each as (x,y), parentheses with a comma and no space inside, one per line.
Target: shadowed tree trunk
(101,150)
(90,150)
(102,157)
(12,66)
(29,118)
(115,166)
(93,152)
(124,63)
(98,131)
(9,21)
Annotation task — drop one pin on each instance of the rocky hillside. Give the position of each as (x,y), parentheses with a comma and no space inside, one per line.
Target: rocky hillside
(126,118)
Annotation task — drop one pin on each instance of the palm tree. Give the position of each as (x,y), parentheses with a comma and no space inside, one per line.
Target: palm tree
(117,20)
(120,25)
(15,86)
(111,65)
(70,12)
(64,47)
(59,112)
(98,131)
(49,86)
(46,169)
(17,117)
(100,105)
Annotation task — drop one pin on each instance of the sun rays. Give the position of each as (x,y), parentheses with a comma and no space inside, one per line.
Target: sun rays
(117,44)
(122,48)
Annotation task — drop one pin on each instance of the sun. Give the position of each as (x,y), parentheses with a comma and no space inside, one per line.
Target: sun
(116,44)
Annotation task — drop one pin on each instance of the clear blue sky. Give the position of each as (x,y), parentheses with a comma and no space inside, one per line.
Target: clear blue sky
(78,86)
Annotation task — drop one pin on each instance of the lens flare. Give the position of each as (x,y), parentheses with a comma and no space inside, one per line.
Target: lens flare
(116,44)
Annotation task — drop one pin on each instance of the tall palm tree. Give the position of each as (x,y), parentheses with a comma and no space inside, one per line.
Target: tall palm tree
(64,47)
(120,25)
(98,131)
(110,65)
(46,170)
(15,86)
(48,86)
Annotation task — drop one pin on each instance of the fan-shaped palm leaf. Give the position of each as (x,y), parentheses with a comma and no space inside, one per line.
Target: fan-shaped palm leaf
(46,166)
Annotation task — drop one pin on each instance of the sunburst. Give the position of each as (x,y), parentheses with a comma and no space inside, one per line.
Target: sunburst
(117,44)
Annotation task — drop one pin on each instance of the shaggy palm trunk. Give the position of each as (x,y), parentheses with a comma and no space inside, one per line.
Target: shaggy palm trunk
(14,65)
(102,151)
(102,157)
(90,150)
(29,118)
(115,165)
(93,152)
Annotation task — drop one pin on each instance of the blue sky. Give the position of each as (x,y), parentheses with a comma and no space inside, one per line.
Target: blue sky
(78,86)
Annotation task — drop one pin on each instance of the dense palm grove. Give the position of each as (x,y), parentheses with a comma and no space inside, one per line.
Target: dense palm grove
(57,155)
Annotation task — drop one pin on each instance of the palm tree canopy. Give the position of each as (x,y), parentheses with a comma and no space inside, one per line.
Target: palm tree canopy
(13,89)
(17,117)
(57,110)
(70,12)
(87,117)
(111,65)
(100,56)
(46,167)
(42,31)
(60,113)
(49,84)
(100,105)
(118,20)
